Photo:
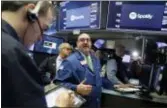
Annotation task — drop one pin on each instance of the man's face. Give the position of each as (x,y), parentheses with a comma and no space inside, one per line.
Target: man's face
(120,52)
(34,30)
(45,21)
(84,43)
(66,51)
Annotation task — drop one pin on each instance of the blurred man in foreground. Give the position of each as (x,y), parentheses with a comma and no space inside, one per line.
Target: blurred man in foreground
(22,24)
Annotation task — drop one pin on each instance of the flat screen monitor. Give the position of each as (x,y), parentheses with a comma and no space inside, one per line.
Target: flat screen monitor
(161,44)
(126,58)
(48,45)
(135,16)
(99,43)
(145,76)
(151,77)
(158,78)
(80,15)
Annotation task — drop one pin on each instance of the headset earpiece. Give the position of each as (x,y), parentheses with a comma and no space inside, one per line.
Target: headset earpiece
(32,15)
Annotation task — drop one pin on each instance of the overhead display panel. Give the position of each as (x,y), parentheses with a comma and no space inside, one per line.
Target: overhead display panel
(80,15)
(146,16)
(48,45)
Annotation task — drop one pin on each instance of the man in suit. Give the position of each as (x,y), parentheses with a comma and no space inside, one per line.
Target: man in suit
(22,24)
(81,72)
(51,64)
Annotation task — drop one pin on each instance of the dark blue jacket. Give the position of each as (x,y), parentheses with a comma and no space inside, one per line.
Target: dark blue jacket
(21,81)
(73,72)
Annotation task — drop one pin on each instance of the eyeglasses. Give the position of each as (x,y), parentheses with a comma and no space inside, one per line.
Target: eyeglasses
(84,39)
(69,49)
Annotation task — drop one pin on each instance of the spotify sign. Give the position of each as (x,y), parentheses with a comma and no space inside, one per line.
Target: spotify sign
(134,15)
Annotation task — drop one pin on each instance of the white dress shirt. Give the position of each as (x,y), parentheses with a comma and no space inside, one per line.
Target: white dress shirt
(59,60)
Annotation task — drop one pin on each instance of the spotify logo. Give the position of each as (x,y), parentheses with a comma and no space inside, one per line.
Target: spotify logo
(133,15)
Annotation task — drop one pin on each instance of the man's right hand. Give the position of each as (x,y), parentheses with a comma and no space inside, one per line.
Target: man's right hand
(84,89)
(65,99)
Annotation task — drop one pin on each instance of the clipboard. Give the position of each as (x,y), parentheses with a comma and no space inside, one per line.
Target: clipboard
(51,96)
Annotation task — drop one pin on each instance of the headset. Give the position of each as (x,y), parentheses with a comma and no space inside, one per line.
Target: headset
(32,15)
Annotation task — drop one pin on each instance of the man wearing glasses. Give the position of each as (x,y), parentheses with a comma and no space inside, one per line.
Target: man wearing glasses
(81,72)
(51,64)
(22,24)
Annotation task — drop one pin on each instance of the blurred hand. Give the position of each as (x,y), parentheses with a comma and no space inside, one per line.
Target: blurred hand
(84,89)
(65,99)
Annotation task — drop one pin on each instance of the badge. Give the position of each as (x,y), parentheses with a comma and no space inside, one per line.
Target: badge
(61,67)
(83,62)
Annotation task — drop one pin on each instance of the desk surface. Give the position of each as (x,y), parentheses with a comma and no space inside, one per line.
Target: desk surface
(159,99)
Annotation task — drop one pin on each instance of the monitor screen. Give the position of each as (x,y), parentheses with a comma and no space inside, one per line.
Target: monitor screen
(157,77)
(99,43)
(161,44)
(126,58)
(48,45)
(151,76)
(145,76)
(146,16)
(80,15)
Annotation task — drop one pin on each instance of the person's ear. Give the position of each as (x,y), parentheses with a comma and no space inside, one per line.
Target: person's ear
(30,6)
(77,43)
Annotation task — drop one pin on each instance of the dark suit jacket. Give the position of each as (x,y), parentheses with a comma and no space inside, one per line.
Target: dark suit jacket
(21,79)
(48,66)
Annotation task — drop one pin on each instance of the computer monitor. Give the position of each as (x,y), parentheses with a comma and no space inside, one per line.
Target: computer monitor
(99,43)
(159,79)
(154,77)
(126,58)
(48,44)
(80,15)
(137,16)
(145,76)
(161,44)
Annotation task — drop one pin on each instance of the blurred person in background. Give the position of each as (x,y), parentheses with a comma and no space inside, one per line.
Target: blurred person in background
(51,64)
(114,71)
